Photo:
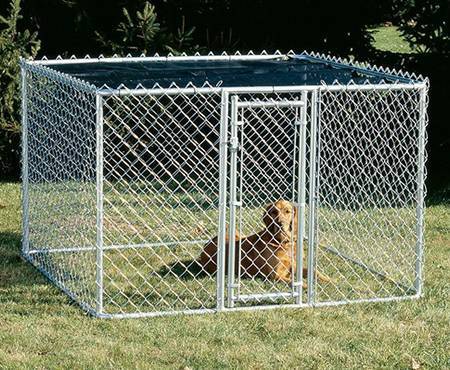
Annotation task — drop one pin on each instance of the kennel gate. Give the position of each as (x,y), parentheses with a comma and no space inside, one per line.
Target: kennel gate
(289,122)
(123,187)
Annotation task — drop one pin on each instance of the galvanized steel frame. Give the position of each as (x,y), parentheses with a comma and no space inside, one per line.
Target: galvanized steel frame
(229,98)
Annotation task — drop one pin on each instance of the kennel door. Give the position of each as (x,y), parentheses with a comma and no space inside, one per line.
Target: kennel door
(267,164)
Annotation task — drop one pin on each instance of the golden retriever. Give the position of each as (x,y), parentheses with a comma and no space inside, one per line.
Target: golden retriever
(269,253)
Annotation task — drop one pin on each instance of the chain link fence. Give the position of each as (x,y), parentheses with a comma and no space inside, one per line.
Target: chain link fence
(148,201)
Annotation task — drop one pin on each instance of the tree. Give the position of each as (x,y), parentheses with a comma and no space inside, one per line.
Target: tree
(141,33)
(13,45)
(425,24)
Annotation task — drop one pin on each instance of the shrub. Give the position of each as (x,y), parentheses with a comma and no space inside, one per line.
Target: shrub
(13,45)
(425,24)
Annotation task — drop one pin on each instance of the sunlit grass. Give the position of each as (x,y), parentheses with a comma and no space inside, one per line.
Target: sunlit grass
(389,38)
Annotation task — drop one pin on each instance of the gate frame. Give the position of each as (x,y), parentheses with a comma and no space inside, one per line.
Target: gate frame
(237,107)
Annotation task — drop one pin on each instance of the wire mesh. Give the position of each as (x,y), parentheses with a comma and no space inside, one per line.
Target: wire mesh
(161,165)
(368,193)
(60,129)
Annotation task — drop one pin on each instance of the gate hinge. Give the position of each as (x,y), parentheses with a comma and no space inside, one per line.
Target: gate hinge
(300,122)
(234,144)
(299,205)
(237,203)
(297,283)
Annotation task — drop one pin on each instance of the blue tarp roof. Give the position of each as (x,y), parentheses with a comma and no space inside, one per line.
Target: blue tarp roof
(294,70)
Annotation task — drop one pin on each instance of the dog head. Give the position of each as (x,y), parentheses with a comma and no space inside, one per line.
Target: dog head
(281,221)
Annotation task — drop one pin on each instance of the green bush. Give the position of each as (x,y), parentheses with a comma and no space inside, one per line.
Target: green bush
(13,45)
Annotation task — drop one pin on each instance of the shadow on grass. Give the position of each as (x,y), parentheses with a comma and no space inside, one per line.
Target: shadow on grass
(14,270)
(23,289)
(184,270)
(9,243)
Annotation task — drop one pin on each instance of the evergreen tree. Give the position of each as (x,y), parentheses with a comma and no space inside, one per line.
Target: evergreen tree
(425,24)
(141,33)
(13,45)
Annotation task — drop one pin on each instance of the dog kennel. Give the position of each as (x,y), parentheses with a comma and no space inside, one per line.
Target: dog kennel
(131,165)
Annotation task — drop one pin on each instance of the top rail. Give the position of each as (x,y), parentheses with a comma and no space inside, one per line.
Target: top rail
(273,103)
(363,70)
(87,60)
(257,89)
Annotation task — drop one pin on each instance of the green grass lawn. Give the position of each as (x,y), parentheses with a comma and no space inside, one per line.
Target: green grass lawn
(41,328)
(389,38)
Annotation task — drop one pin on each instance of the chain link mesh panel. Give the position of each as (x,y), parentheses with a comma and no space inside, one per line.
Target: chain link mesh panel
(60,129)
(161,168)
(369,185)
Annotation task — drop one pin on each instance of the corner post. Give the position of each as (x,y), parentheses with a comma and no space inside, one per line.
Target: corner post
(420,193)
(25,174)
(233,180)
(99,189)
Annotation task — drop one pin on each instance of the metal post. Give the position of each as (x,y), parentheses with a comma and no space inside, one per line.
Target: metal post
(301,191)
(233,165)
(240,121)
(99,183)
(221,239)
(295,197)
(418,281)
(25,190)
(312,199)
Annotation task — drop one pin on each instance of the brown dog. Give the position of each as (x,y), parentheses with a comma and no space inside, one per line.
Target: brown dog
(269,253)
(208,258)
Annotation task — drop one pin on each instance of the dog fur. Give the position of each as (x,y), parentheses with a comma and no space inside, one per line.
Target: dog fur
(270,253)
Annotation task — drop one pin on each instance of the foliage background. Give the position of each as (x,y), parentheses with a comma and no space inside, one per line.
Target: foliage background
(52,27)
